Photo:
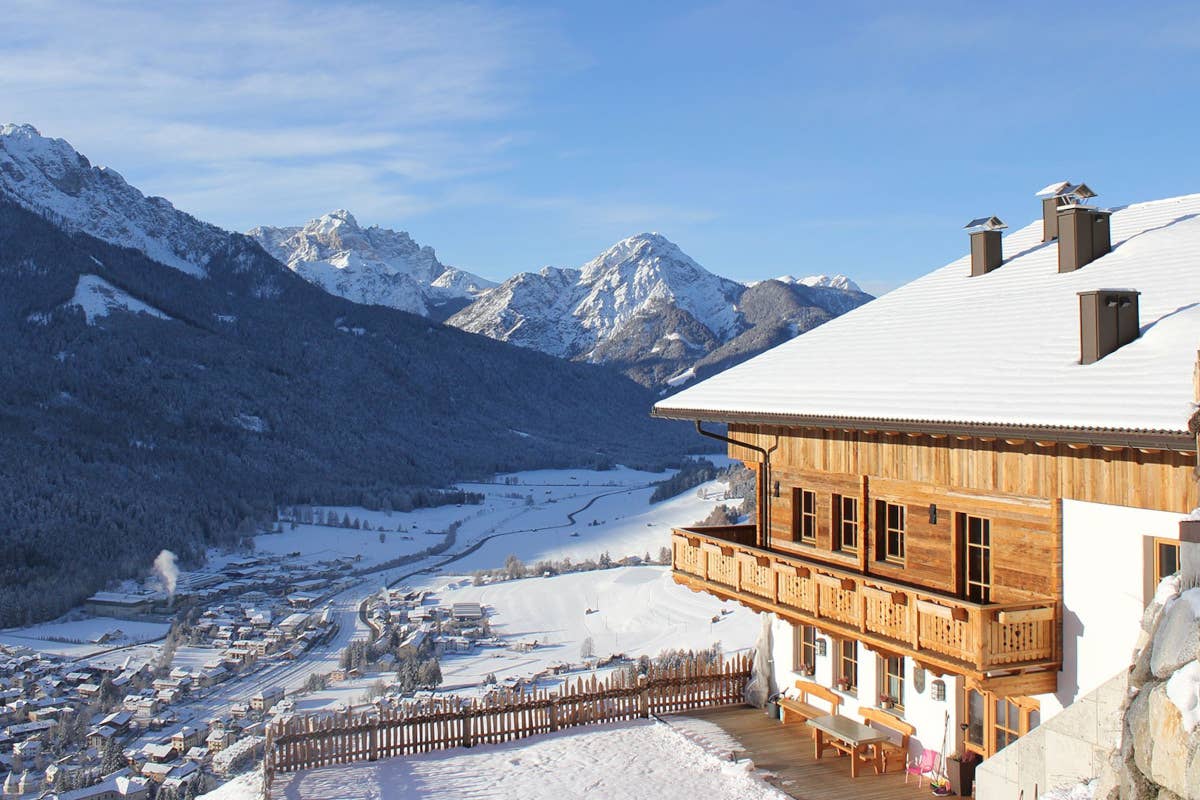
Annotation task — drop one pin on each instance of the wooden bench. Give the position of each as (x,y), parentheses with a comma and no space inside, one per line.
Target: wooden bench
(897,751)
(800,710)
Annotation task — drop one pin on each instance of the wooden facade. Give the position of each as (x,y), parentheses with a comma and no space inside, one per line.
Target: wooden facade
(986,466)
(945,549)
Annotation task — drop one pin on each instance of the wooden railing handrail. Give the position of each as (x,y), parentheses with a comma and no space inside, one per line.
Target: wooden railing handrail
(876,581)
(938,627)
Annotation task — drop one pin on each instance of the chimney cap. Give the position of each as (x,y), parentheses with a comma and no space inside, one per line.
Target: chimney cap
(985,224)
(1072,192)
(1054,189)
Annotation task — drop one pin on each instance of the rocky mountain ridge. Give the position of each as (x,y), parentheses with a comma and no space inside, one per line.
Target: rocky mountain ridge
(373,265)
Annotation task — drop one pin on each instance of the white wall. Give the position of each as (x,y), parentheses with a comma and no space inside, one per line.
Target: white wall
(1105,563)
(920,709)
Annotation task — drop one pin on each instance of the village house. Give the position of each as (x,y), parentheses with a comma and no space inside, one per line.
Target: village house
(264,700)
(969,487)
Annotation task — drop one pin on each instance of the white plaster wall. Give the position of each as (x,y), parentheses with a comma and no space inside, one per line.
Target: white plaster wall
(927,714)
(1104,573)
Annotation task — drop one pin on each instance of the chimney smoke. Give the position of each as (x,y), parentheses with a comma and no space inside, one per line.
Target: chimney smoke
(167,570)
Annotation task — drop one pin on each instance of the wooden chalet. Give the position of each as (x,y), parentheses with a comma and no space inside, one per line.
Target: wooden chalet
(969,487)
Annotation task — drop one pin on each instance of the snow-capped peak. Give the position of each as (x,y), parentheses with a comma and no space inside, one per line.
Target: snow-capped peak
(823,282)
(576,313)
(368,265)
(50,178)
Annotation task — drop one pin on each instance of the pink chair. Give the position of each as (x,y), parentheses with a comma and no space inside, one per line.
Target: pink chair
(922,767)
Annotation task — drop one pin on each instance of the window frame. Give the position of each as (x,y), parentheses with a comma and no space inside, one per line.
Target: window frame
(1026,709)
(1159,544)
(804,644)
(846,667)
(984,584)
(842,524)
(804,520)
(884,532)
(887,677)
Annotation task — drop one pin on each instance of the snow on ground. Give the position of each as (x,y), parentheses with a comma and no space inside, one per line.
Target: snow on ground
(79,638)
(323,543)
(617,519)
(637,759)
(535,500)
(1079,791)
(99,298)
(195,657)
(638,610)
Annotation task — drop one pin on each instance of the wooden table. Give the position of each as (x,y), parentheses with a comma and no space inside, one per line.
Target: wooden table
(850,737)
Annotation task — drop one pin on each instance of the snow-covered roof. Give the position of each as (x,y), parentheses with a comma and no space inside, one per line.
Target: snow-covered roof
(1000,350)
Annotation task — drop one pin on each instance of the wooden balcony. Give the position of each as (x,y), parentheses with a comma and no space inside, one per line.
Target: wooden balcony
(1010,648)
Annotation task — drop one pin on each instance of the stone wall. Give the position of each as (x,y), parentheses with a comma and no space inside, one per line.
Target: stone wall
(1077,744)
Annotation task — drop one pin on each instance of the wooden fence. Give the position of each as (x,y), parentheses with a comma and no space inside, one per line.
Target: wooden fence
(306,742)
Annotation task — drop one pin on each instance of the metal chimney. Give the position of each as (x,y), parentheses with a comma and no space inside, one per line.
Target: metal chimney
(1083,231)
(1108,320)
(986,249)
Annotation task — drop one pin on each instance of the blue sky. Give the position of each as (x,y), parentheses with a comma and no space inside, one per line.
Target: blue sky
(764,138)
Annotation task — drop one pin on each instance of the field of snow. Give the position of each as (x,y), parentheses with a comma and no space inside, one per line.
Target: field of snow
(322,542)
(616,518)
(637,759)
(76,638)
(536,503)
(637,611)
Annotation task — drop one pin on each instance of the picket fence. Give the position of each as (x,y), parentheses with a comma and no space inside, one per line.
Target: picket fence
(385,731)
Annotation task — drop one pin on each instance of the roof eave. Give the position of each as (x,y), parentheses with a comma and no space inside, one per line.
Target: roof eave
(1179,441)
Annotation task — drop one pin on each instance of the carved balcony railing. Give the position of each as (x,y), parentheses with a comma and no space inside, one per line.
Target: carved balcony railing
(936,628)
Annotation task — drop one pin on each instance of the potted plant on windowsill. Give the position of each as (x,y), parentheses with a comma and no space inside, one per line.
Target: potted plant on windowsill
(886,701)
(843,684)
(807,670)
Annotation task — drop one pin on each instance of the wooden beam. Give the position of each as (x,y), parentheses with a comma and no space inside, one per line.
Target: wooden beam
(1024,683)
(1027,615)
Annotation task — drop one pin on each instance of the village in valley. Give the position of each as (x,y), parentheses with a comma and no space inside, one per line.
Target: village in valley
(166,687)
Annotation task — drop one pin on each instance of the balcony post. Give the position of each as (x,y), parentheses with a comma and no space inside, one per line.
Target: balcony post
(914,623)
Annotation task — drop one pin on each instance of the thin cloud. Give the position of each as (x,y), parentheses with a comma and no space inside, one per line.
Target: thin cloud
(193,101)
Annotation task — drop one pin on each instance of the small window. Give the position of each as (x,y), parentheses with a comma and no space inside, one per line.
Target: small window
(805,523)
(805,654)
(891,680)
(890,524)
(1008,723)
(976,709)
(976,534)
(847,665)
(845,523)
(1166,558)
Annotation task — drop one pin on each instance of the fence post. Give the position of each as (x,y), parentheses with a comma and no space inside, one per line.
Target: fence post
(643,697)
(466,731)
(554,713)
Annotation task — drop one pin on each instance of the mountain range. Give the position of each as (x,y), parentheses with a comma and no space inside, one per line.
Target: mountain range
(642,306)
(166,383)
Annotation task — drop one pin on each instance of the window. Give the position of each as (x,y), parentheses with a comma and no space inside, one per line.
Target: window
(805,652)
(805,515)
(889,520)
(993,722)
(976,722)
(976,535)
(845,523)
(1008,723)
(1166,558)
(891,680)
(846,669)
